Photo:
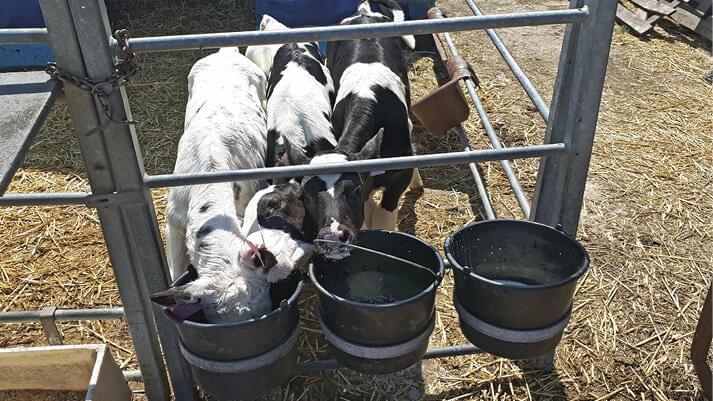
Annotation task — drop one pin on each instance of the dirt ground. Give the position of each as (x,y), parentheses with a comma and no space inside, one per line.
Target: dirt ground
(646,220)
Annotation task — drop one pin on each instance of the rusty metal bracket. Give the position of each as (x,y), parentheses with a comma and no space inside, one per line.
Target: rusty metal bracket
(49,325)
(132,197)
(445,107)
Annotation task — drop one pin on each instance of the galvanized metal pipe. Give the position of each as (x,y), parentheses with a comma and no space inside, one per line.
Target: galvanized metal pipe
(45,198)
(314,367)
(64,315)
(493,137)
(480,185)
(525,82)
(345,32)
(391,163)
(23,36)
(133,375)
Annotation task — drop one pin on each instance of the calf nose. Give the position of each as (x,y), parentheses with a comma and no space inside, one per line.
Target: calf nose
(343,235)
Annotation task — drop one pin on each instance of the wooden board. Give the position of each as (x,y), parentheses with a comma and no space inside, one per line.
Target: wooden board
(704,6)
(47,368)
(693,19)
(88,368)
(26,98)
(702,343)
(631,20)
(655,6)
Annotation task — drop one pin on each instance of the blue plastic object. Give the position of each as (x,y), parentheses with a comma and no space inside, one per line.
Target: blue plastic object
(22,14)
(301,13)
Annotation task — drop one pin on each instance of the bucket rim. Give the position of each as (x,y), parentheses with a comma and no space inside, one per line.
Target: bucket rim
(291,300)
(581,268)
(431,287)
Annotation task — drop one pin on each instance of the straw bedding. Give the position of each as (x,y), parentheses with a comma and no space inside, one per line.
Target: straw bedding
(646,217)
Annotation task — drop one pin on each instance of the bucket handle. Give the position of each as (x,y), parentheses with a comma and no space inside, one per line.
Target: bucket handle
(438,276)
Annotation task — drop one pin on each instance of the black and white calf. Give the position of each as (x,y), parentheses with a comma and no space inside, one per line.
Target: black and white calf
(225,129)
(370,120)
(274,221)
(300,96)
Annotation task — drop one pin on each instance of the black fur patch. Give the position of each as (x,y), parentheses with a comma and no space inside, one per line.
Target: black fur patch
(205,230)
(304,58)
(282,209)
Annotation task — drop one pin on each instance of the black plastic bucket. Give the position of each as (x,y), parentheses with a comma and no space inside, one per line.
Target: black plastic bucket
(514,282)
(242,360)
(377,313)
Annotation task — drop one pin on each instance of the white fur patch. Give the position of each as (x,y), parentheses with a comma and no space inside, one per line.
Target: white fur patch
(331,179)
(361,14)
(297,106)
(334,227)
(358,79)
(262,56)
(399,15)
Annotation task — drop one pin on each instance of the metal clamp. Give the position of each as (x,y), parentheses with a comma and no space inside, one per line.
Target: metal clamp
(377,352)
(510,335)
(241,365)
(130,197)
(49,325)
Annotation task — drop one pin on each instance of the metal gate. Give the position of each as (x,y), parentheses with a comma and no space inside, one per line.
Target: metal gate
(83,46)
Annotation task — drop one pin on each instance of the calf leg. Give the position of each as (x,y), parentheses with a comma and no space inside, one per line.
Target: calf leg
(416,181)
(385,216)
(369,207)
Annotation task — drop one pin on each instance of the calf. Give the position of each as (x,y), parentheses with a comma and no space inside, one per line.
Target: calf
(371,120)
(300,96)
(274,221)
(224,129)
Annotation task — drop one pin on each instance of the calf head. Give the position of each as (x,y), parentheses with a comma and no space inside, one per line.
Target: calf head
(262,55)
(389,11)
(334,207)
(278,233)
(226,289)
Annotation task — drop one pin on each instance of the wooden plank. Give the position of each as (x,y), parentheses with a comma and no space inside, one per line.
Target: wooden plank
(701,345)
(693,19)
(626,17)
(655,6)
(704,6)
(26,98)
(47,368)
(107,382)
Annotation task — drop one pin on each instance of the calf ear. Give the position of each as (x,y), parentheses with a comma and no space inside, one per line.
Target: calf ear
(409,41)
(372,149)
(179,300)
(295,154)
(295,188)
(174,296)
(320,145)
(303,254)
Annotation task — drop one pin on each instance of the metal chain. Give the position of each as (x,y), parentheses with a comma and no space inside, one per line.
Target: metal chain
(124,70)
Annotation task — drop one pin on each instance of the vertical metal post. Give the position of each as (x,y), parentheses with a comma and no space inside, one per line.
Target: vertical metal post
(79,32)
(573,120)
(573,117)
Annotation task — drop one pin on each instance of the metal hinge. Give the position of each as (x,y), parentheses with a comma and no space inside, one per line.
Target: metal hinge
(130,197)
(49,325)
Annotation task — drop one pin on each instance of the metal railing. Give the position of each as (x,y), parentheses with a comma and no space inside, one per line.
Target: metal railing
(63,315)
(525,82)
(79,35)
(345,32)
(23,36)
